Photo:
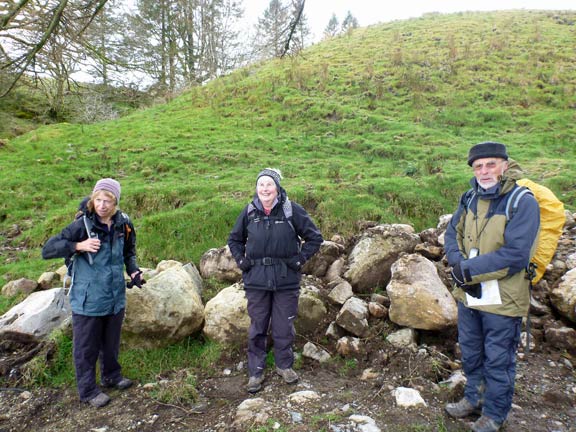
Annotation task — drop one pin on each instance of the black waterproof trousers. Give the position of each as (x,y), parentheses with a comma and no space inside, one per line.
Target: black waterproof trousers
(274,310)
(96,337)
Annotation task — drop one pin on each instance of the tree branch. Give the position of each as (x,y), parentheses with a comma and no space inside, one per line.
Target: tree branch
(6,20)
(293,26)
(58,11)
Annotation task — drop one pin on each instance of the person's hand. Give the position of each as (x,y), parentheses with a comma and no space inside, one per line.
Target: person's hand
(473,290)
(457,275)
(89,245)
(296,262)
(244,264)
(136,280)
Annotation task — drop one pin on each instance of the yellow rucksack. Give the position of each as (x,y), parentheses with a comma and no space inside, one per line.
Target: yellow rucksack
(552,219)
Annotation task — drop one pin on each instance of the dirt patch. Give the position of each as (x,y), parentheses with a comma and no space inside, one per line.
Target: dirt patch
(545,397)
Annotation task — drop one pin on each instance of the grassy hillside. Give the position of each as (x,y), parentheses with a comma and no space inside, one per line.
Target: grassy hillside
(372,125)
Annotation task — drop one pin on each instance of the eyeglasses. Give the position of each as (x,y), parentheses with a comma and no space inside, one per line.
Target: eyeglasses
(489,165)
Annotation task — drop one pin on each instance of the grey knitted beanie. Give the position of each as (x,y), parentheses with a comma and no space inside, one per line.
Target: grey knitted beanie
(271,172)
(109,185)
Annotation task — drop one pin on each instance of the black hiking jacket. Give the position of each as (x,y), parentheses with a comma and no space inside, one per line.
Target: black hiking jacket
(272,244)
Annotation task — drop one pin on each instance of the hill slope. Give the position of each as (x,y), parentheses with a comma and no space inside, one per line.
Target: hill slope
(371,125)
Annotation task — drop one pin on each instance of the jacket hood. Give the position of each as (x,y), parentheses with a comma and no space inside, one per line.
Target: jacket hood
(514,170)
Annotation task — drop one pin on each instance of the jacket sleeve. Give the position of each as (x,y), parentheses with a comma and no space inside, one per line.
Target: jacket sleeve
(130,249)
(238,236)
(453,236)
(63,245)
(515,254)
(307,230)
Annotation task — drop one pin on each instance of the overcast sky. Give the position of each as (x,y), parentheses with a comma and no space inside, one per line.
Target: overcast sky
(374,11)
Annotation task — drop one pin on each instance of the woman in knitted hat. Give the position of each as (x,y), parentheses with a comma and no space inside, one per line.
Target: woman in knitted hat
(266,243)
(98,244)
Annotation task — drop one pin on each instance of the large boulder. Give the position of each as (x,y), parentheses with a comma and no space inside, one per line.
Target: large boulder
(563,296)
(226,316)
(165,310)
(377,249)
(219,263)
(227,320)
(418,298)
(39,314)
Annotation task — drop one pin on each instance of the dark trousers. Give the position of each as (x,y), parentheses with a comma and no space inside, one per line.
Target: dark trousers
(276,310)
(488,343)
(96,337)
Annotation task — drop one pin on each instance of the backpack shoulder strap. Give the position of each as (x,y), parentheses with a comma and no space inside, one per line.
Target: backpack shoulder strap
(287,209)
(467,198)
(250,209)
(514,200)
(88,224)
(126,222)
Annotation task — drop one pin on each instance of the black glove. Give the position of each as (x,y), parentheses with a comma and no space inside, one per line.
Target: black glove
(244,264)
(296,262)
(458,277)
(473,290)
(136,281)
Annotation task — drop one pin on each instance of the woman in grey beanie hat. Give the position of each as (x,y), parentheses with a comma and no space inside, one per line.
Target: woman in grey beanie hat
(100,244)
(266,243)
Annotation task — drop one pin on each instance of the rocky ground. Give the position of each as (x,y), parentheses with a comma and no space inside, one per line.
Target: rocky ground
(351,394)
(545,397)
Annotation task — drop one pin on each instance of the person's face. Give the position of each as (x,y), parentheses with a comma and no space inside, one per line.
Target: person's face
(266,190)
(488,171)
(104,204)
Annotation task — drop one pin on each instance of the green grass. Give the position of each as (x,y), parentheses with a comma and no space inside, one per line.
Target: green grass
(147,365)
(373,125)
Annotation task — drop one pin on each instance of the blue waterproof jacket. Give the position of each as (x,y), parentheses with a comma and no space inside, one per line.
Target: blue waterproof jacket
(98,288)
(272,244)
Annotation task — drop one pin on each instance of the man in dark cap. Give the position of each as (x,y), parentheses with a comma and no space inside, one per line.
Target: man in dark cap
(489,252)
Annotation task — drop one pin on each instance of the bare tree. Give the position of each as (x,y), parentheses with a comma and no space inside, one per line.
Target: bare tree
(184,42)
(31,28)
(281,29)
(296,24)
(105,56)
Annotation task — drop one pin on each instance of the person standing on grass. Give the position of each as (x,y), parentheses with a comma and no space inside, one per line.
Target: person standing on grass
(266,243)
(98,244)
(489,252)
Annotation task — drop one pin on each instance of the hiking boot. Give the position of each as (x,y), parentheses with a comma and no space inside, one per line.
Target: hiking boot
(461,409)
(123,384)
(486,424)
(289,375)
(100,400)
(255,384)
